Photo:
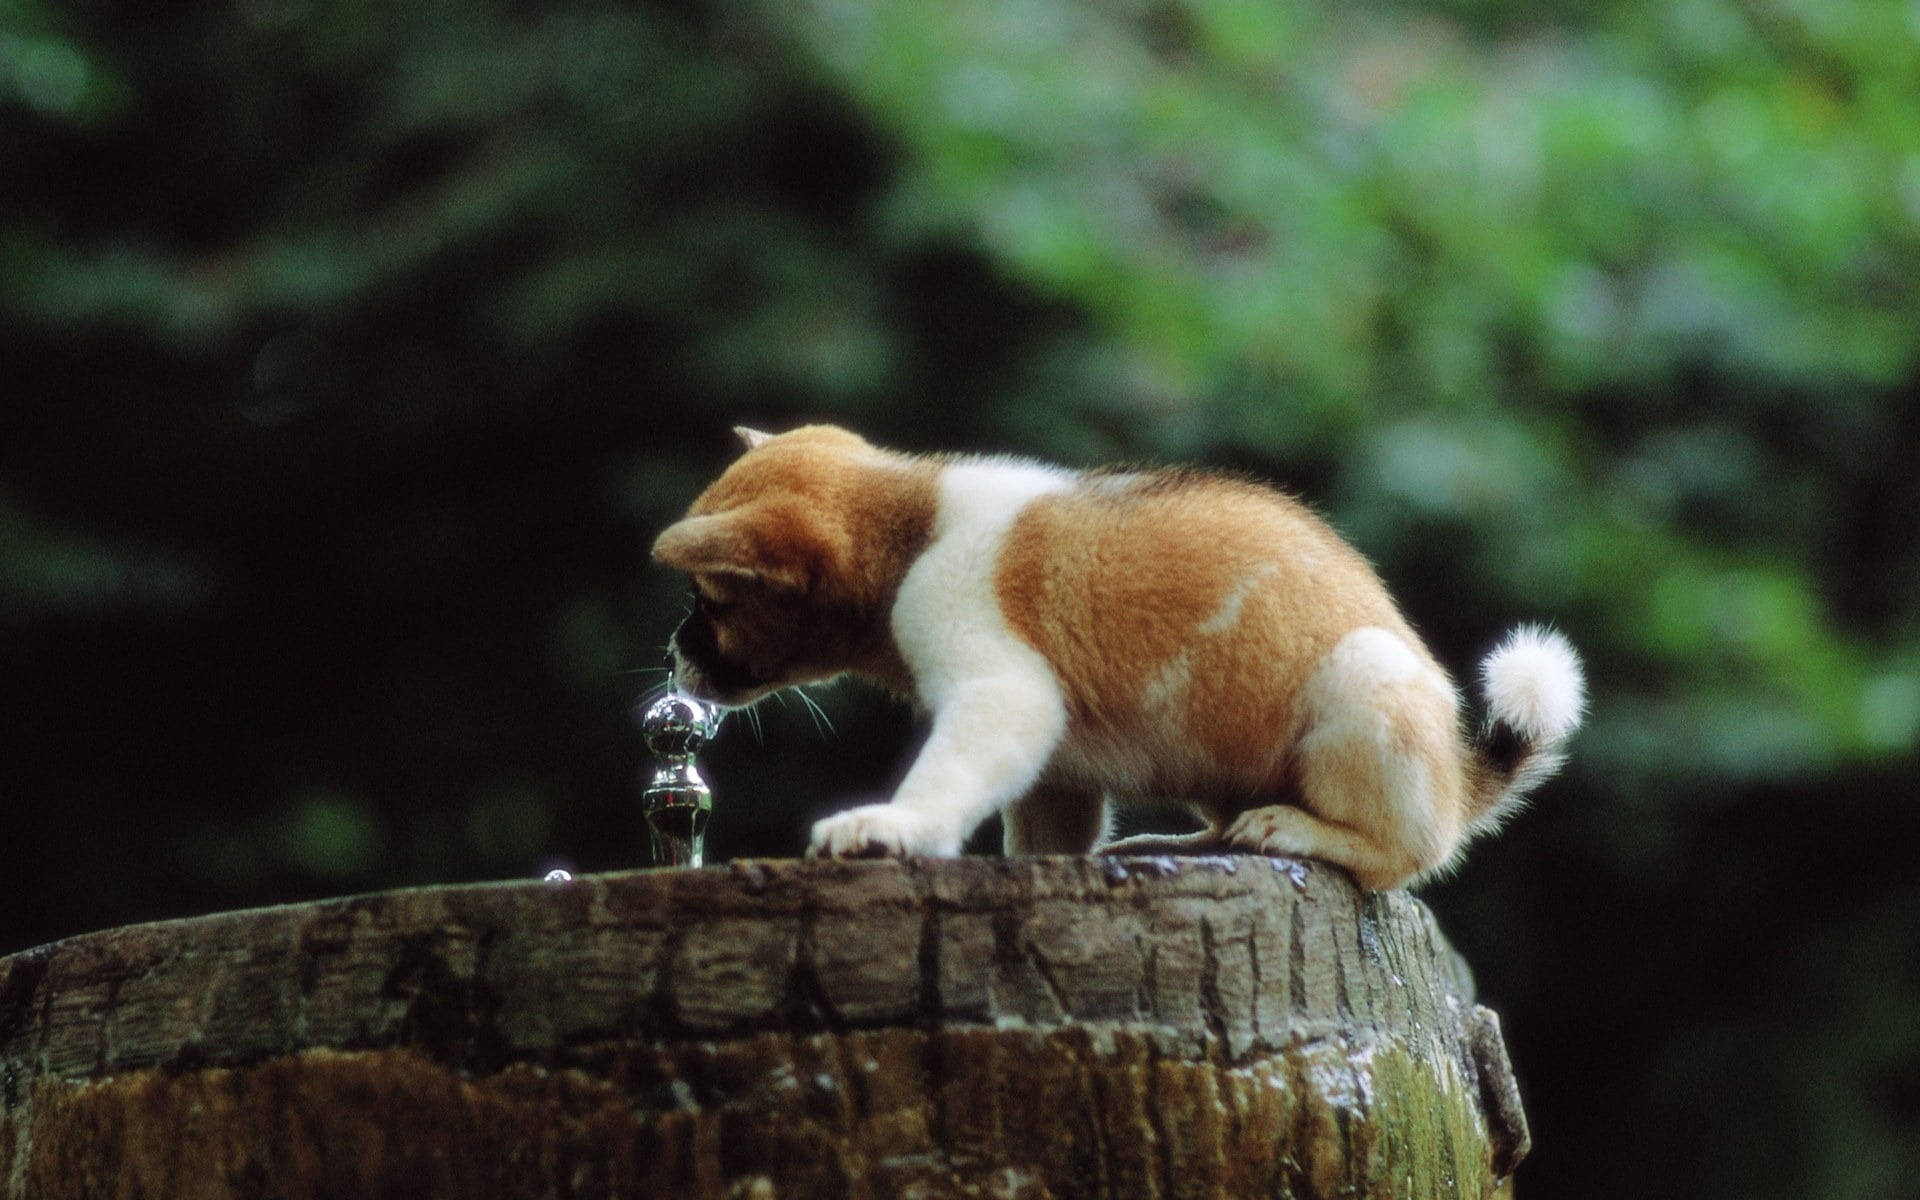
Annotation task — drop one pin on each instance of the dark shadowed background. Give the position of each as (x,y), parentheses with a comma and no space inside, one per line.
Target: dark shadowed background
(351,354)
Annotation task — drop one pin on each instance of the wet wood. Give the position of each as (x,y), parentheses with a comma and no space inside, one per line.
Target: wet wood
(1026,1028)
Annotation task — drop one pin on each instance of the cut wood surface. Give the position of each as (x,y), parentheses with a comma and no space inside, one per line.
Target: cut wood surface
(1016,1028)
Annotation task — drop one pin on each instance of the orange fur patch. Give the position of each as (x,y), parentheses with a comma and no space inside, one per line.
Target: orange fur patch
(1117,587)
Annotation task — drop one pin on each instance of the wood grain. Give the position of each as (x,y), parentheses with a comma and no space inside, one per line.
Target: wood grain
(1033,1027)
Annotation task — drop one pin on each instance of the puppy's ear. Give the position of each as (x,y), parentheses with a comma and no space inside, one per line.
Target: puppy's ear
(753,438)
(723,543)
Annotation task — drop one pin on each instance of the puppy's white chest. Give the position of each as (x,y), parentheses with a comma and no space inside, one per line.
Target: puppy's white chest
(946,619)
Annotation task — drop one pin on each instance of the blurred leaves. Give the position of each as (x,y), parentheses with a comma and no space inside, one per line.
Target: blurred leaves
(333,835)
(51,572)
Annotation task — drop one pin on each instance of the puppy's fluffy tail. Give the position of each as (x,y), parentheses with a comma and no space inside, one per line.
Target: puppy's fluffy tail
(1535,694)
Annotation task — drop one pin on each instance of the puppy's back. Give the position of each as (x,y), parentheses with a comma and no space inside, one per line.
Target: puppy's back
(1186,602)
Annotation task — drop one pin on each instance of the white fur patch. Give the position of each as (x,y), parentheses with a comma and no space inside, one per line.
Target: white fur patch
(998,712)
(1367,658)
(946,618)
(1349,726)
(1227,615)
(1168,683)
(1534,683)
(1364,699)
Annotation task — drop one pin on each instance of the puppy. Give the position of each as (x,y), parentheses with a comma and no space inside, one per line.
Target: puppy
(1082,639)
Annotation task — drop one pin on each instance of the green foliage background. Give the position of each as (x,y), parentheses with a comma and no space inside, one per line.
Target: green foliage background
(354,351)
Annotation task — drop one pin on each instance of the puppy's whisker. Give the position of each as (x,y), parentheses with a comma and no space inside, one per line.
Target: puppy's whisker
(653,692)
(821,722)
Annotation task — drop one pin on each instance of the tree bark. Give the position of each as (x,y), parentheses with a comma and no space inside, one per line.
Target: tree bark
(1023,1028)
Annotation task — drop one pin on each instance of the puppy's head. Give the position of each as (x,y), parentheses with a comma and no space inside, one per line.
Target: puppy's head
(769,550)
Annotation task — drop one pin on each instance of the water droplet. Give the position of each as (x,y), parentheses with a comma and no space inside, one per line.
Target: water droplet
(1113,871)
(558,875)
(1399,982)
(1294,870)
(1230,864)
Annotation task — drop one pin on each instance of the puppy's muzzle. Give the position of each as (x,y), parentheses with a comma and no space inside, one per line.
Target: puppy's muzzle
(700,670)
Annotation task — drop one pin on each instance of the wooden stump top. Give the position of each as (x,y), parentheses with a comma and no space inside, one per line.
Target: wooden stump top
(1013,1027)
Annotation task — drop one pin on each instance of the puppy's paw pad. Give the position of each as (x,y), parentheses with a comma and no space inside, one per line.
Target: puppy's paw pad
(874,831)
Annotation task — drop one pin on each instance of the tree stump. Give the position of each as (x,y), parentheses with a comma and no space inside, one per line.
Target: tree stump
(1024,1028)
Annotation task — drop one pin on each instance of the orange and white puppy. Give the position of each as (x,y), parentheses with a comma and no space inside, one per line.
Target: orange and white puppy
(1086,639)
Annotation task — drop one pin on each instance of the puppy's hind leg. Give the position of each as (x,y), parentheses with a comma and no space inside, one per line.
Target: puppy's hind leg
(1285,831)
(1377,767)
(1054,819)
(1201,841)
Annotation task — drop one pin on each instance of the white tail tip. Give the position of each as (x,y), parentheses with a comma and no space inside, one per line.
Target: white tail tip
(1533,682)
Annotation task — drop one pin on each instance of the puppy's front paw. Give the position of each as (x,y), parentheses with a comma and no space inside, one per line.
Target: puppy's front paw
(873,831)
